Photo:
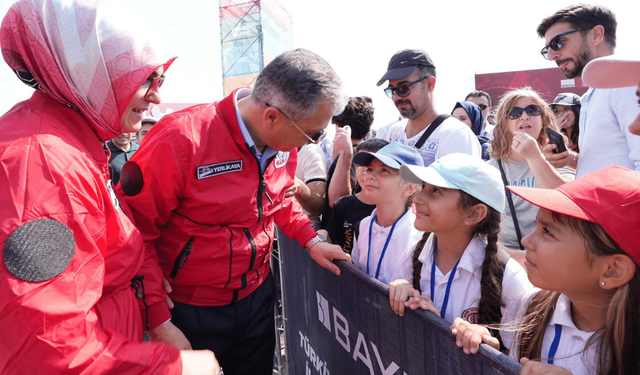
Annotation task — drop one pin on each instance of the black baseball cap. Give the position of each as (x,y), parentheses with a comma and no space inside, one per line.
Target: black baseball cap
(404,63)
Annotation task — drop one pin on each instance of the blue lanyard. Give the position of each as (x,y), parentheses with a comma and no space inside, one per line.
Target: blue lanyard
(384,249)
(554,345)
(443,310)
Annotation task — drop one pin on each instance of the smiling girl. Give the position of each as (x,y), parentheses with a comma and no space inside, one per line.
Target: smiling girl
(584,255)
(516,151)
(456,270)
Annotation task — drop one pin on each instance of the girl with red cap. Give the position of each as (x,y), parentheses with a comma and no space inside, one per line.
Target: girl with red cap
(584,256)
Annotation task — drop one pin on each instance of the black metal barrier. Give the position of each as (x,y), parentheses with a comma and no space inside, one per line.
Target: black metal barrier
(345,325)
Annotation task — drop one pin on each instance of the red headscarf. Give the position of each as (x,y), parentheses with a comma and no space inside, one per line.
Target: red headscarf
(90,55)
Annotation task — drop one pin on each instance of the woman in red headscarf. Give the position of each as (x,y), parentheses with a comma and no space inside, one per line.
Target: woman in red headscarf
(69,294)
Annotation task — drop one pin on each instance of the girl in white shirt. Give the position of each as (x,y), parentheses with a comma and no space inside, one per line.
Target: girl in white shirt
(584,256)
(454,270)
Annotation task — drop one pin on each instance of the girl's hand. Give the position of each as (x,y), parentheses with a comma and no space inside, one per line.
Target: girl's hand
(563,120)
(399,292)
(537,368)
(524,145)
(422,301)
(470,336)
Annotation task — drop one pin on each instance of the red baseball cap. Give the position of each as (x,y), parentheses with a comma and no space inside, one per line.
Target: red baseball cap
(609,197)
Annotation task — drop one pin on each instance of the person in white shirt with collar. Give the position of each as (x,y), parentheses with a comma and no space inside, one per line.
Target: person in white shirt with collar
(458,262)
(389,231)
(584,256)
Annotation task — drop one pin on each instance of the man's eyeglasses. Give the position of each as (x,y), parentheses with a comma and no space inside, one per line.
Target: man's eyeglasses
(313,139)
(402,90)
(531,109)
(154,86)
(556,43)
(482,106)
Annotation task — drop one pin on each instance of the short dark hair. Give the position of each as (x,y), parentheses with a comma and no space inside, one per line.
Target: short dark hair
(358,114)
(478,94)
(371,145)
(426,71)
(583,15)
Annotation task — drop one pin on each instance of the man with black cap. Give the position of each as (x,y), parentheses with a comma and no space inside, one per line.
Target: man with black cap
(412,79)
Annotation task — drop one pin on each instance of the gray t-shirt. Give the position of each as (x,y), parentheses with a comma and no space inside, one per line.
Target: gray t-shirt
(519,174)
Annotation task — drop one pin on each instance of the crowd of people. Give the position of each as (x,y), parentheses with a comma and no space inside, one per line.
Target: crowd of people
(517,224)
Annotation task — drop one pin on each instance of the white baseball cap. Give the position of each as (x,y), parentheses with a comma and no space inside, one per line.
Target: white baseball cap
(611,72)
(461,172)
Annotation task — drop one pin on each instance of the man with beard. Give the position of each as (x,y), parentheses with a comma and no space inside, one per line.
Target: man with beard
(574,36)
(412,80)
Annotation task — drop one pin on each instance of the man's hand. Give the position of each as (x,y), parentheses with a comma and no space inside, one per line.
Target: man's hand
(325,253)
(342,142)
(199,362)
(170,334)
(298,187)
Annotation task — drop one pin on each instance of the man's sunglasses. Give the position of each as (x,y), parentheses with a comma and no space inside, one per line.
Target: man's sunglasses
(154,86)
(482,106)
(312,139)
(531,109)
(402,90)
(556,42)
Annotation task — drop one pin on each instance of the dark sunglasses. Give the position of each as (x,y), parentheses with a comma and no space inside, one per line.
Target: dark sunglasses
(154,86)
(531,109)
(556,42)
(402,90)
(482,106)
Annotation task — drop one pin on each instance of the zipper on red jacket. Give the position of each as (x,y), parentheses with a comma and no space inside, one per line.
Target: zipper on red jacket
(182,257)
(137,284)
(253,255)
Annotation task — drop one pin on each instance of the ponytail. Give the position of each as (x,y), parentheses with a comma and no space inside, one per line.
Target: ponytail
(417,265)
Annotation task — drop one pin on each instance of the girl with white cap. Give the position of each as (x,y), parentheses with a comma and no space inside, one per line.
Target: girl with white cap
(456,270)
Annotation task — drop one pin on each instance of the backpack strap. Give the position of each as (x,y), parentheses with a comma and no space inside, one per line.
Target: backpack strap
(512,208)
(427,133)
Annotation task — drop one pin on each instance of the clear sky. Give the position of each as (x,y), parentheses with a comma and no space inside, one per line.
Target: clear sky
(359,37)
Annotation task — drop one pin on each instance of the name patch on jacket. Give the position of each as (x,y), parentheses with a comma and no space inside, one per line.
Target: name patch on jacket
(281,159)
(220,168)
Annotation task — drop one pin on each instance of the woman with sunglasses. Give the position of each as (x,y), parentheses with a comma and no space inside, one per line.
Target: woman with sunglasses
(518,139)
(71,296)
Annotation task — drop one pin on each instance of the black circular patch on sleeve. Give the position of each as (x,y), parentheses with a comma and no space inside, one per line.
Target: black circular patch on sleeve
(39,250)
(131,179)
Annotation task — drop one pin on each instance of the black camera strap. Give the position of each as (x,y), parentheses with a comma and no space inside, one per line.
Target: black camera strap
(511,206)
(427,133)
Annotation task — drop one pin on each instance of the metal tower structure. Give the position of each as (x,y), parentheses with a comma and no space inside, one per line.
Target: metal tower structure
(252,33)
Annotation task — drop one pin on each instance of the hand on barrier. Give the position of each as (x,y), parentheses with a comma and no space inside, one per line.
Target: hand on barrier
(421,301)
(399,292)
(170,334)
(470,336)
(199,362)
(536,368)
(168,290)
(562,159)
(325,253)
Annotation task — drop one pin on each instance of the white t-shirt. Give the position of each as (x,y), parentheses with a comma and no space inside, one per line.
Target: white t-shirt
(604,138)
(464,294)
(450,137)
(311,168)
(404,235)
(572,340)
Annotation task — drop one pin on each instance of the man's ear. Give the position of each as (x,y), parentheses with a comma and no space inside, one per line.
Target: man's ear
(477,213)
(617,270)
(596,36)
(431,83)
(270,118)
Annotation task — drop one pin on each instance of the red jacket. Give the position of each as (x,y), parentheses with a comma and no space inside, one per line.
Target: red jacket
(206,209)
(86,319)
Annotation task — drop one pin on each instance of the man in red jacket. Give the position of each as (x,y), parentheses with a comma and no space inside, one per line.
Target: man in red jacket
(206,192)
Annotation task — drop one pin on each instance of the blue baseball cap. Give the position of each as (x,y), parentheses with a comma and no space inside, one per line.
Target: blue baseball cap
(461,172)
(392,155)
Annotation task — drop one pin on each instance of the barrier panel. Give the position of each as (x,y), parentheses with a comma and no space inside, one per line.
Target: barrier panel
(345,325)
